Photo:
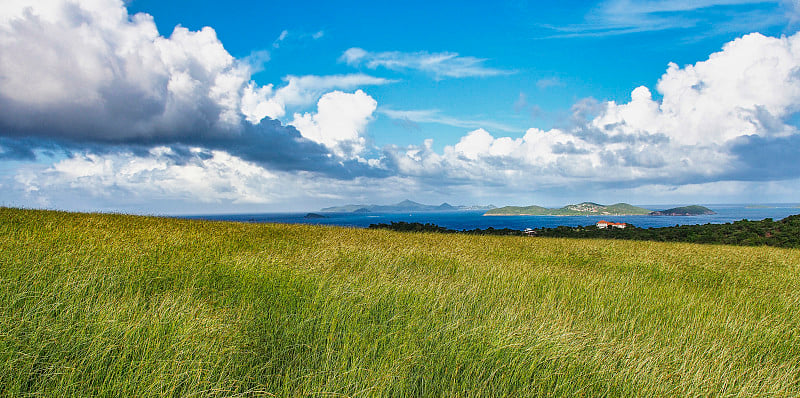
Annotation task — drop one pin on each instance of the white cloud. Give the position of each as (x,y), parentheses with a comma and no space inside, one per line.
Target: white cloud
(209,177)
(697,132)
(440,65)
(77,74)
(281,37)
(475,144)
(627,8)
(162,181)
(748,88)
(554,159)
(340,122)
(256,61)
(299,91)
(87,70)
(617,17)
(435,116)
(64,60)
(538,156)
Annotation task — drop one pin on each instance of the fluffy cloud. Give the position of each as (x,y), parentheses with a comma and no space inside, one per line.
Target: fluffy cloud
(749,88)
(712,118)
(85,74)
(88,70)
(340,122)
(165,180)
(260,102)
(440,65)
(207,176)
(140,115)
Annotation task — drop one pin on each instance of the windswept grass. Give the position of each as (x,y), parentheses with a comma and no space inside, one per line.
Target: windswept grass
(138,306)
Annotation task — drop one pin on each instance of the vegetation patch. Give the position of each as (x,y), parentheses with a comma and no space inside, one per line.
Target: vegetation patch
(782,233)
(115,305)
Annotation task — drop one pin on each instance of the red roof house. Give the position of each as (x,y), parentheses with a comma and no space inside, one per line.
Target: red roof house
(605,224)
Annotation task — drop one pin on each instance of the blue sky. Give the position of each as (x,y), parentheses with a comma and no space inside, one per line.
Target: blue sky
(518,37)
(185,107)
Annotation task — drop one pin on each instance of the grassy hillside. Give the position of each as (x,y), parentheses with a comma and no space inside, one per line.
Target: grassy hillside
(624,208)
(134,306)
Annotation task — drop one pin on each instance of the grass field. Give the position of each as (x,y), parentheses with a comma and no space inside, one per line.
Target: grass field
(116,305)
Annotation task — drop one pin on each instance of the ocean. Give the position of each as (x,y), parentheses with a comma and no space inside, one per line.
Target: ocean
(475,219)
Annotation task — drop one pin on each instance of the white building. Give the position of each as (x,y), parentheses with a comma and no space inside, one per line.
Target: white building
(606,224)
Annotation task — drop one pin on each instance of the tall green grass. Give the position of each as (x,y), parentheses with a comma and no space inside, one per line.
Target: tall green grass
(119,305)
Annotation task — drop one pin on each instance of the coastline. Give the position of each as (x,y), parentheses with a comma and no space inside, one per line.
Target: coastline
(563,215)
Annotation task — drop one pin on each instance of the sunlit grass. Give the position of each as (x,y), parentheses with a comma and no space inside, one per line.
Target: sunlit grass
(131,306)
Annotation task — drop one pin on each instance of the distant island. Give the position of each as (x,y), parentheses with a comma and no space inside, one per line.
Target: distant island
(401,207)
(684,211)
(594,209)
(780,206)
(314,215)
(580,209)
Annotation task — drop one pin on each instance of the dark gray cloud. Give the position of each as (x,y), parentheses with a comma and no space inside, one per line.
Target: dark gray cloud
(282,148)
(73,78)
(269,144)
(764,158)
(16,150)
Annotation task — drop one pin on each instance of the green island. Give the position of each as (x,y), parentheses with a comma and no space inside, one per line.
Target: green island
(694,210)
(118,305)
(580,209)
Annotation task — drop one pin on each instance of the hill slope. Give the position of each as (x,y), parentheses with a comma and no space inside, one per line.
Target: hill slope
(138,306)
(580,209)
(694,210)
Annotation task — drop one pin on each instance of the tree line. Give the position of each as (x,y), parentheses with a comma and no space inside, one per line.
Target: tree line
(781,233)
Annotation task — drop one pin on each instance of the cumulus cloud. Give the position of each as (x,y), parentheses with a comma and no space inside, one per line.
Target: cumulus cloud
(718,119)
(178,118)
(260,102)
(440,65)
(339,123)
(88,70)
(85,74)
(191,180)
(751,87)
(208,176)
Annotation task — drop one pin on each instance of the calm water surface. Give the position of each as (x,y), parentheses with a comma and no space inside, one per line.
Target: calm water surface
(475,219)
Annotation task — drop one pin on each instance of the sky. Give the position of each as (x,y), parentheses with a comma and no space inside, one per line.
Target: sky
(203,107)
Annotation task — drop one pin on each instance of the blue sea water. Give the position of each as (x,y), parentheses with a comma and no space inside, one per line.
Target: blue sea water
(475,219)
